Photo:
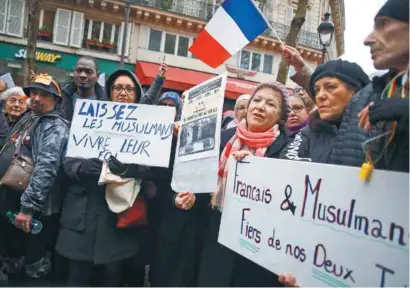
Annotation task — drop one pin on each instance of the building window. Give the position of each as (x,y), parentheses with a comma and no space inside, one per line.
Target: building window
(245,59)
(289,16)
(267,64)
(100,36)
(183,43)
(170,41)
(256,62)
(155,37)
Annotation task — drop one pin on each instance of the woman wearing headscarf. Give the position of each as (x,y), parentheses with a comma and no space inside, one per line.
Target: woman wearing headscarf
(300,106)
(263,134)
(89,235)
(332,84)
(241,106)
(174,221)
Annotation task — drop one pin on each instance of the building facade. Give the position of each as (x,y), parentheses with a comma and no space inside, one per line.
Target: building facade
(158,30)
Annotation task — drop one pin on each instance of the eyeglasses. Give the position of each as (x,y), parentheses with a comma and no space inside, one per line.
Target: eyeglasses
(128,89)
(16,101)
(297,108)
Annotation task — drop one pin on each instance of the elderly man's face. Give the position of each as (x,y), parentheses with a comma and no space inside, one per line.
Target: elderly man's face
(389,44)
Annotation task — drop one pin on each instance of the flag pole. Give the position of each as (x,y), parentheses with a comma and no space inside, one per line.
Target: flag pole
(267,22)
(274,32)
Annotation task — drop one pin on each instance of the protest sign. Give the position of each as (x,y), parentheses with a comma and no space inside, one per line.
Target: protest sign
(8,79)
(201,121)
(134,133)
(197,153)
(319,222)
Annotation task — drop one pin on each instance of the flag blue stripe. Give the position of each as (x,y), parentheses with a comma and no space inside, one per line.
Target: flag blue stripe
(246,16)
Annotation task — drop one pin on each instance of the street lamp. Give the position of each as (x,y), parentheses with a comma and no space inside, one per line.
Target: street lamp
(325,30)
(125,32)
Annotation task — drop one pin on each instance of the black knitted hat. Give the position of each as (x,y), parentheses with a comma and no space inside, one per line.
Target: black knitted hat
(348,72)
(395,9)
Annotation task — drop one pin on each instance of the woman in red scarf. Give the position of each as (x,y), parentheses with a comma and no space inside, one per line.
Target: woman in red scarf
(261,134)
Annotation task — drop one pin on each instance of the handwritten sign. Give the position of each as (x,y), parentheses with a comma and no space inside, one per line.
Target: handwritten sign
(134,133)
(319,222)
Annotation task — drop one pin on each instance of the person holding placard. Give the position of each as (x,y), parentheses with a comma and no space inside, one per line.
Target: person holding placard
(333,84)
(261,134)
(89,235)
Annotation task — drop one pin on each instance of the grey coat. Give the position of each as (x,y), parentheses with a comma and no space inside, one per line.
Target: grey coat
(88,228)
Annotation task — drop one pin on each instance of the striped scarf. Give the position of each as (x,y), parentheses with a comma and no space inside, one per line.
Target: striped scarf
(256,143)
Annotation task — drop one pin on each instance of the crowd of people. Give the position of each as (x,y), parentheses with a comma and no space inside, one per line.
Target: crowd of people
(336,109)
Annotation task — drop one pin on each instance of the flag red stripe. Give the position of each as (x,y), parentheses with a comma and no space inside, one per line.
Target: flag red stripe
(208,50)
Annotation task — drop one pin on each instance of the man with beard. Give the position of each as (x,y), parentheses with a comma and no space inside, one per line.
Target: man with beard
(85,86)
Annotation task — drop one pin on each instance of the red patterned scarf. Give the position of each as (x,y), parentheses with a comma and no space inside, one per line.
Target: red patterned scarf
(256,143)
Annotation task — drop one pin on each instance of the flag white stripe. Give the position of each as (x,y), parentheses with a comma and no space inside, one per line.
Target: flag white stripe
(224,30)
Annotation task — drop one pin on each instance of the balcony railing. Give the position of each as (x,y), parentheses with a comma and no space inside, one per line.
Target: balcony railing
(305,38)
(193,8)
(203,10)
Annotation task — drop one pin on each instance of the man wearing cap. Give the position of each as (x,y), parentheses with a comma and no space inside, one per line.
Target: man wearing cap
(382,106)
(43,135)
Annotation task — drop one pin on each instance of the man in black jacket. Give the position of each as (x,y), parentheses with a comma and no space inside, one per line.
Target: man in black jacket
(85,86)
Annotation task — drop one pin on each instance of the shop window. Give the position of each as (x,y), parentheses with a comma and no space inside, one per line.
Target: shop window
(155,37)
(170,41)
(267,64)
(183,43)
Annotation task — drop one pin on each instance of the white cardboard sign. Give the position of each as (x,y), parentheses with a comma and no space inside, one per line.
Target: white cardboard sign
(319,222)
(134,133)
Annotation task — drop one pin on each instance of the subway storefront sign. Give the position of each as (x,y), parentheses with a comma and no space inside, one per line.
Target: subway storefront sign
(55,59)
(40,56)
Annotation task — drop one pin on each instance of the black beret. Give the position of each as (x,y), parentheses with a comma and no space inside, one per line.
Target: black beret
(348,72)
(395,9)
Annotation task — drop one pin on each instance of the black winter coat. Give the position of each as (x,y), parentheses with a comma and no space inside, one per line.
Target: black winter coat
(313,143)
(219,265)
(348,149)
(178,232)
(88,228)
(4,129)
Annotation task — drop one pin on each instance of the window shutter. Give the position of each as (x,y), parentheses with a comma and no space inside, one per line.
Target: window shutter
(288,16)
(77,24)
(3,15)
(119,44)
(308,22)
(61,31)
(127,46)
(15,18)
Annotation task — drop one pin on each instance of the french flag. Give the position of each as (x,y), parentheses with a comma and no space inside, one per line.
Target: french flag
(235,24)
